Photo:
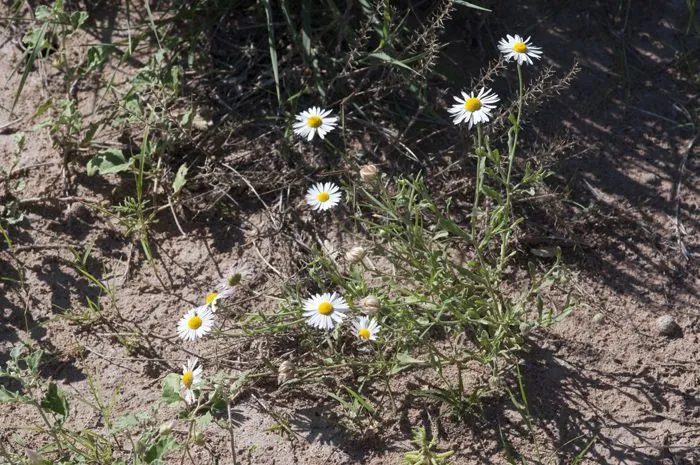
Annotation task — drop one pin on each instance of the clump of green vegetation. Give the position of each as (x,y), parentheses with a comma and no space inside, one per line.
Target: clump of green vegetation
(434,293)
(425,455)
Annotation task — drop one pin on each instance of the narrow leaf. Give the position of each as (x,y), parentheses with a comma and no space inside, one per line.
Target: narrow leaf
(180,178)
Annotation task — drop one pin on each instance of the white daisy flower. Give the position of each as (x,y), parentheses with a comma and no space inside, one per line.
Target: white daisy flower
(196,323)
(323,311)
(366,328)
(322,196)
(474,109)
(313,121)
(212,298)
(191,377)
(519,49)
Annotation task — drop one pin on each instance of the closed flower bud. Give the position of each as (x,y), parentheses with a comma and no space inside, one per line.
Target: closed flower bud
(370,304)
(166,428)
(355,255)
(199,438)
(285,372)
(369,173)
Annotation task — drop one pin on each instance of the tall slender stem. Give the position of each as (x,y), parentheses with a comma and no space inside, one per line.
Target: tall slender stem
(51,429)
(477,187)
(512,145)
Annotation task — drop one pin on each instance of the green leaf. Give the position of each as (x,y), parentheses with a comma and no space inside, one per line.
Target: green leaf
(187,118)
(108,161)
(405,359)
(204,419)
(273,50)
(132,104)
(124,423)
(164,445)
(40,37)
(42,108)
(8,396)
(97,56)
(171,389)
(34,359)
(20,184)
(384,57)
(471,5)
(78,18)
(55,401)
(20,141)
(43,13)
(494,194)
(361,400)
(16,352)
(180,178)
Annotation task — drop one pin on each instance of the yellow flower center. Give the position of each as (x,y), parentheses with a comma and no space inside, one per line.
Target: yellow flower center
(194,322)
(363,333)
(323,196)
(472,104)
(314,121)
(520,47)
(187,378)
(210,297)
(325,308)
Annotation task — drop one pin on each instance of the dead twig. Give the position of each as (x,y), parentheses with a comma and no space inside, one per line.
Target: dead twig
(678,226)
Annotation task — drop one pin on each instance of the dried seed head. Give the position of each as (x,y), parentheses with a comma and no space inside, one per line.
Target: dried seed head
(234,279)
(285,372)
(355,255)
(667,326)
(201,122)
(370,304)
(369,173)
(495,382)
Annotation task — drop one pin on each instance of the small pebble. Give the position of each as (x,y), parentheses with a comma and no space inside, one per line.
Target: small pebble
(598,318)
(666,326)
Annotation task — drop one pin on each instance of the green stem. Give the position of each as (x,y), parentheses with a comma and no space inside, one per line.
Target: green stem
(8,241)
(512,145)
(51,429)
(479,173)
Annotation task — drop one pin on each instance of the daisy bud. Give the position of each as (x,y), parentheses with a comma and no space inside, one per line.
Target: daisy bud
(166,428)
(369,173)
(285,372)
(370,304)
(355,255)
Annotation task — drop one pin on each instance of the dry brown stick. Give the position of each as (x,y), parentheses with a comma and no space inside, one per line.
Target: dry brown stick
(9,123)
(71,198)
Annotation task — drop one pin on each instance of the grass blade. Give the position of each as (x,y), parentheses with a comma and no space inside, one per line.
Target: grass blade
(28,65)
(471,5)
(273,51)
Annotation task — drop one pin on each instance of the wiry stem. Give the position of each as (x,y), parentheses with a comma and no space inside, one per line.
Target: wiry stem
(512,145)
